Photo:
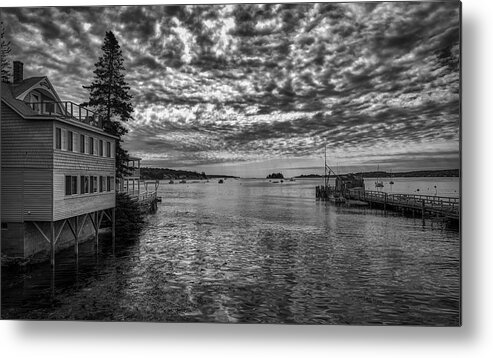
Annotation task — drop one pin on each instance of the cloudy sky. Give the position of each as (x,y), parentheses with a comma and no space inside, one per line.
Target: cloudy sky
(251,89)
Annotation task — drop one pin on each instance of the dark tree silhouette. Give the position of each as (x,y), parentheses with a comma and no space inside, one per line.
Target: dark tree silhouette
(4,55)
(109,95)
(275,176)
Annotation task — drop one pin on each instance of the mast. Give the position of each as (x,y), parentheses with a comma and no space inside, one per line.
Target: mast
(325,165)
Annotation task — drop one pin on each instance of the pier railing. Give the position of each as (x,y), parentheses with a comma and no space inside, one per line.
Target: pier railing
(442,205)
(148,195)
(69,110)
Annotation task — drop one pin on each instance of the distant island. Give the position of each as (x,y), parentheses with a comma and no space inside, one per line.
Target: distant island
(310,176)
(411,174)
(165,173)
(275,176)
(168,174)
(214,176)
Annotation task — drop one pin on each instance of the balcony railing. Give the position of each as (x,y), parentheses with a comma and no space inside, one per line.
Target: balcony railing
(133,172)
(69,110)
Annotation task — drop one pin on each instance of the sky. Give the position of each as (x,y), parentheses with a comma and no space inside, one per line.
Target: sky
(251,89)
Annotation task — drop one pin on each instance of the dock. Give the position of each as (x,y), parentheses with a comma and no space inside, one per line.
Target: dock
(424,205)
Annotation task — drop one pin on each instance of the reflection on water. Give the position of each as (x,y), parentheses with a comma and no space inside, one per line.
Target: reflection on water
(257,252)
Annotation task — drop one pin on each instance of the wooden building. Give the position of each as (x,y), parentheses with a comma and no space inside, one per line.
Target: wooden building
(347,182)
(142,191)
(130,184)
(57,169)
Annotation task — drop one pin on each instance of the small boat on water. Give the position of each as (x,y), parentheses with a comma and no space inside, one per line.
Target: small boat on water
(221,181)
(292,179)
(183,181)
(378,182)
(171,182)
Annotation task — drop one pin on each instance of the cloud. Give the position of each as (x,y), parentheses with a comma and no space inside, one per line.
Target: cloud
(237,83)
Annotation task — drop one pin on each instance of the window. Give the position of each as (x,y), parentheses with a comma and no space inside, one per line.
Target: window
(101,182)
(82,143)
(5,226)
(110,183)
(108,149)
(84,184)
(100,148)
(35,99)
(74,185)
(58,138)
(91,145)
(70,185)
(94,184)
(70,143)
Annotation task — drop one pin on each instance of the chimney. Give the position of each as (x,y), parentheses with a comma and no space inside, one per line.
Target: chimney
(18,71)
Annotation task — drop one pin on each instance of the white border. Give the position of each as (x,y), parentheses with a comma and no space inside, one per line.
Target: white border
(79,339)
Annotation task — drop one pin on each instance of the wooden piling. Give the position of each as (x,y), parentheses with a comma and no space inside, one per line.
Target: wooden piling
(52,243)
(113,223)
(76,246)
(423,211)
(96,221)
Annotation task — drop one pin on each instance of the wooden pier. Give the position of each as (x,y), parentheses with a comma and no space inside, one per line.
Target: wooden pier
(423,205)
(426,205)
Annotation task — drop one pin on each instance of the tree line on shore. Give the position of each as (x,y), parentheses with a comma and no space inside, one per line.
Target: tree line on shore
(410,174)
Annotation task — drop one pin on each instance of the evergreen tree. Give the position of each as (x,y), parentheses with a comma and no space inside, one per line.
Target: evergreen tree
(4,55)
(109,95)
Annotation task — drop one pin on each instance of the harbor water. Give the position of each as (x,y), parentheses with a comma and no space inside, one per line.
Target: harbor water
(253,251)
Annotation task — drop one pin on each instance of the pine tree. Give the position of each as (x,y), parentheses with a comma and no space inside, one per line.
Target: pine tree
(4,55)
(109,95)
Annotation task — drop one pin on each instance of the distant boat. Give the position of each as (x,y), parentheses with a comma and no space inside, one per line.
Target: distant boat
(183,181)
(391,182)
(282,181)
(292,179)
(378,183)
(221,181)
(171,182)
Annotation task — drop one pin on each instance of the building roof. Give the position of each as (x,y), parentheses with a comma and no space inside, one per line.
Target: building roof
(17,105)
(19,88)
(12,95)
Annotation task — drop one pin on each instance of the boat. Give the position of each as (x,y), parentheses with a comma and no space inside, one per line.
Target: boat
(378,182)
(183,181)
(391,182)
(221,181)
(171,182)
(292,179)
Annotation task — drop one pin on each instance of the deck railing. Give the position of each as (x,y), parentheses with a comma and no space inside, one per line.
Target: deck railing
(147,195)
(69,110)
(449,206)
